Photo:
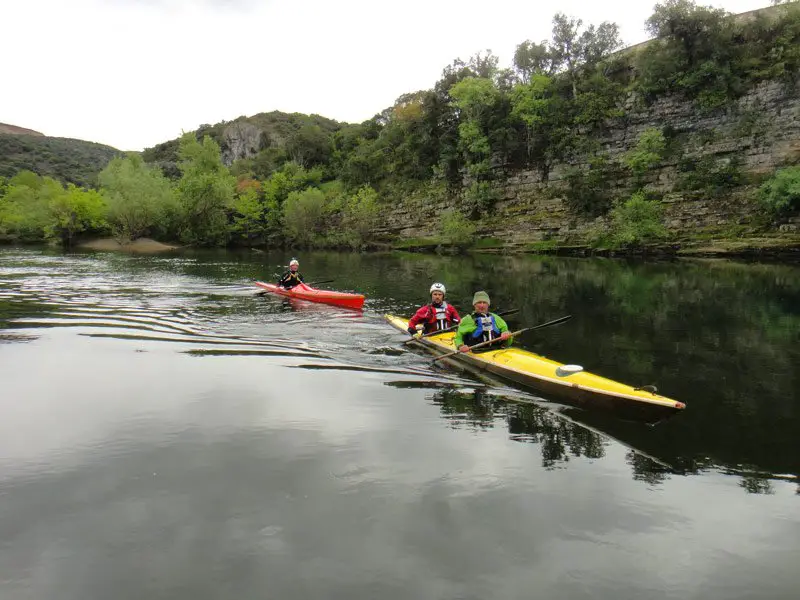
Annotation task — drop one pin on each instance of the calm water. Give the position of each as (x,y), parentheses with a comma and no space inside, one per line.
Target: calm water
(168,432)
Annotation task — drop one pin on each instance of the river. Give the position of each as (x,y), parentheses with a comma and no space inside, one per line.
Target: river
(168,431)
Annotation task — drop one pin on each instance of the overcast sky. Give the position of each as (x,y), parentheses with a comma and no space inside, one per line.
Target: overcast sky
(133,73)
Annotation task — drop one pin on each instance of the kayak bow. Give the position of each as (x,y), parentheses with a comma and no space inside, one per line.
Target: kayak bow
(568,383)
(306,292)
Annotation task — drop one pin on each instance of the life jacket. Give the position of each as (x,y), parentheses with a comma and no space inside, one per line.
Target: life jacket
(438,316)
(486,329)
(290,279)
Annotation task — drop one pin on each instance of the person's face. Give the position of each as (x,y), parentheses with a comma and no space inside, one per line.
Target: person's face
(437,297)
(482,307)
(294,268)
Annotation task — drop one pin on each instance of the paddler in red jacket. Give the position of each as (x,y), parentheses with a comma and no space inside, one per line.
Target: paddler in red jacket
(292,277)
(435,316)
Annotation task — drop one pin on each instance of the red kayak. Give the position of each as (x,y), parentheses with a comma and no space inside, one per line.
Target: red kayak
(306,292)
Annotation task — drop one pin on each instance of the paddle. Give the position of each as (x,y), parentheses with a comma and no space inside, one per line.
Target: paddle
(453,327)
(548,324)
(313,283)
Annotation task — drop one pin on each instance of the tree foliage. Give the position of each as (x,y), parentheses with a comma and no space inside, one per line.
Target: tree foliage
(304,214)
(635,222)
(649,151)
(206,190)
(36,208)
(140,199)
(780,195)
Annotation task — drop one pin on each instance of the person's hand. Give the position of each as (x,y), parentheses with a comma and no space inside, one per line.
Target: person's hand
(463,348)
(505,335)
(412,330)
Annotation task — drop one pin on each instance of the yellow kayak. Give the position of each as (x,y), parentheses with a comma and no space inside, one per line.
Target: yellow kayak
(565,382)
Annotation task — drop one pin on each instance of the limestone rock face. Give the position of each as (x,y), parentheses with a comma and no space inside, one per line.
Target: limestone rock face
(240,140)
(759,133)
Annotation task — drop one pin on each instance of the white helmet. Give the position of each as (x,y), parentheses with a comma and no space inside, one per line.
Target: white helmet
(294,262)
(438,287)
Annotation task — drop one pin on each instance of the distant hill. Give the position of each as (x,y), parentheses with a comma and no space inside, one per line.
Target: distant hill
(14,130)
(68,160)
(246,137)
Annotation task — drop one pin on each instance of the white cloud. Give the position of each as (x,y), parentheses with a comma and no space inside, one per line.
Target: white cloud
(133,74)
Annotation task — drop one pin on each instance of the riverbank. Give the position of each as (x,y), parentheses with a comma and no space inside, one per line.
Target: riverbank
(137,246)
(784,247)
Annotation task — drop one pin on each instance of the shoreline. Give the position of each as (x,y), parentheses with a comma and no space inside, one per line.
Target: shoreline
(784,249)
(137,246)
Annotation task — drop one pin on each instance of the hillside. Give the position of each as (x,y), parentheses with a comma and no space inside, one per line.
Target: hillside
(68,160)
(266,136)
(14,130)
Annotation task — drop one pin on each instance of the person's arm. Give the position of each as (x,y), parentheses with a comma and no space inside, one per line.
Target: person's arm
(454,317)
(466,326)
(419,317)
(503,327)
(501,324)
(282,280)
(300,277)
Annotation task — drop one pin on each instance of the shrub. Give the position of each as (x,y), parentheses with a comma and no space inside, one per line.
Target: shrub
(360,216)
(633,223)
(588,190)
(780,195)
(648,152)
(457,229)
(304,214)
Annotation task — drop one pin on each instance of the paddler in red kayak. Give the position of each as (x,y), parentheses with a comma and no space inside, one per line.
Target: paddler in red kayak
(435,316)
(292,277)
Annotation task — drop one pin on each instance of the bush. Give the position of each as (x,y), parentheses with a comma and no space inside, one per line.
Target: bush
(647,154)
(709,176)
(588,191)
(140,199)
(780,195)
(457,229)
(304,215)
(360,216)
(634,223)
(479,198)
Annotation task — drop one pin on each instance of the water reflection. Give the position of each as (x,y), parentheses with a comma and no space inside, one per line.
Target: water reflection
(722,336)
(561,436)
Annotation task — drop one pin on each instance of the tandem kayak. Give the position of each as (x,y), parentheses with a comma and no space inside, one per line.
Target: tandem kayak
(569,383)
(306,292)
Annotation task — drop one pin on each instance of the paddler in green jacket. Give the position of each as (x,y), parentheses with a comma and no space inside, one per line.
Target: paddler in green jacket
(481,326)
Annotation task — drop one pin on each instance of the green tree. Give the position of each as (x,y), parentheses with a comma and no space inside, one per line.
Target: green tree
(361,214)
(696,29)
(206,191)
(75,211)
(304,216)
(476,98)
(531,59)
(140,199)
(25,209)
(572,50)
(309,146)
(780,195)
(696,52)
(635,222)
(530,103)
(249,214)
(649,151)
(457,229)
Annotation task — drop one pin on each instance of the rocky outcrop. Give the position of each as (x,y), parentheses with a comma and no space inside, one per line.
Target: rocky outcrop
(240,139)
(747,140)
